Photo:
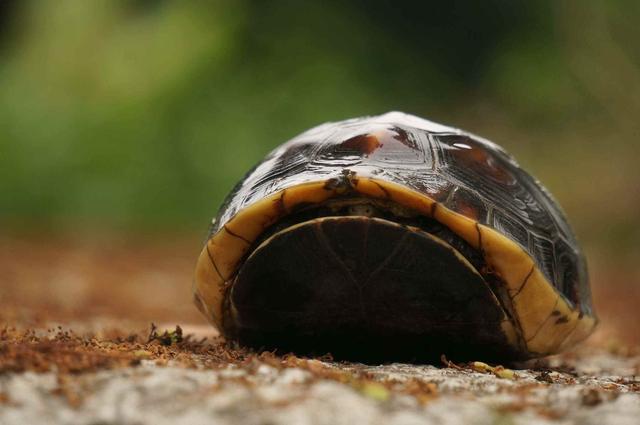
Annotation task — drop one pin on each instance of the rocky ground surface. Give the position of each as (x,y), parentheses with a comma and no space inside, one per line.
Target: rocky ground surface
(58,376)
(77,347)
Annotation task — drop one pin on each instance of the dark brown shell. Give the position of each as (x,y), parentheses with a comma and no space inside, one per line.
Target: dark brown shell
(465,173)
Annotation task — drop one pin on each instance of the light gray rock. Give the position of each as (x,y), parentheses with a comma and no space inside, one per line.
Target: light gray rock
(602,393)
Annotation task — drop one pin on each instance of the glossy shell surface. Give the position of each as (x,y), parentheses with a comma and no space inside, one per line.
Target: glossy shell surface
(465,173)
(467,183)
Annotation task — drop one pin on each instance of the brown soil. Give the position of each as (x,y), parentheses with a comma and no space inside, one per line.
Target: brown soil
(75,307)
(103,298)
(61,280)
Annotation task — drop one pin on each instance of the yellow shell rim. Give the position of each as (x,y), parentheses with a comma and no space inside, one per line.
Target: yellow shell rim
(542,322)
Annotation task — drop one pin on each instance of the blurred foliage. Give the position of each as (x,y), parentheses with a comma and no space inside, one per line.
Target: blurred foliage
(143,114)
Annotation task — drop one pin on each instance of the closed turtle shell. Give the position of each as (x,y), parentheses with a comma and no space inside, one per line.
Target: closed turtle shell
(394,238)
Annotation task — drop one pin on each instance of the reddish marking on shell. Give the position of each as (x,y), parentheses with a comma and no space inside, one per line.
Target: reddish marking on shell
(386,139)
(465,203)
(473,155)
(399,135)
(395,139)
(363,143)
(468,210)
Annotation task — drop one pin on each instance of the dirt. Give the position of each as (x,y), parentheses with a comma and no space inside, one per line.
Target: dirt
(77,345)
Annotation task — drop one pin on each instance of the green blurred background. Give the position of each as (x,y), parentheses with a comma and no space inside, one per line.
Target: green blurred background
(139,116)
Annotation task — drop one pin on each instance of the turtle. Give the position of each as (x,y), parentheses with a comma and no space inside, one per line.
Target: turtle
(393,237)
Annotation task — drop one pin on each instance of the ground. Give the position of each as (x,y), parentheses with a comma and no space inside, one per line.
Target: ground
(77,345)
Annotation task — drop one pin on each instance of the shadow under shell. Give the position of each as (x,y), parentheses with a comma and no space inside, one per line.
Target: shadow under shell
(365,289)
